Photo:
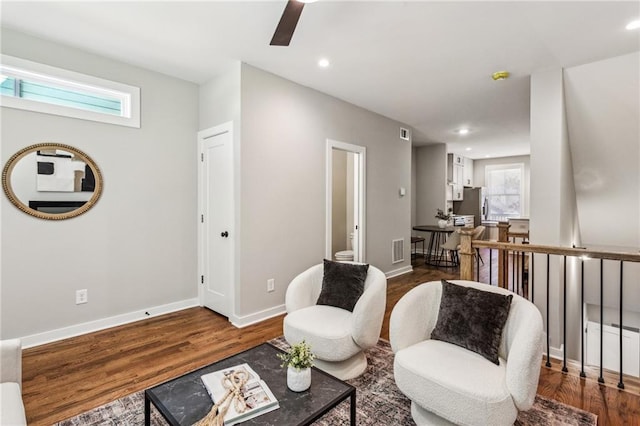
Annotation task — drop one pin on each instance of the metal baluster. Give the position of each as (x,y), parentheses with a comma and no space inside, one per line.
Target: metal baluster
(564,317)
(477,265)
(601,379)
(548,363)
(621,383)
(531,277)
(521,277)
(517,273)
(513,269)
(522,259)
(582,373)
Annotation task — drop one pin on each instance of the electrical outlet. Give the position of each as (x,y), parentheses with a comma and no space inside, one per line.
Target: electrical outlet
(82,296)
(271,285)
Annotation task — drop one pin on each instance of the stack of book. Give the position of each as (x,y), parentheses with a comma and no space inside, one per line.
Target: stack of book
(257,395)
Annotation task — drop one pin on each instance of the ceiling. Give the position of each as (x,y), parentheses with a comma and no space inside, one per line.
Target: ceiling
(426,64)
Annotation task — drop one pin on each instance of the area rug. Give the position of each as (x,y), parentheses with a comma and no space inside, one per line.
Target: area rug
(379,402)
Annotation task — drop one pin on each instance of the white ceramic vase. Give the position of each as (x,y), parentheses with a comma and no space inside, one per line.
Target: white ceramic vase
(298,380)
(442,223)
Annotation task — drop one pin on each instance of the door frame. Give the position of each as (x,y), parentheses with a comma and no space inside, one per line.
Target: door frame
(359,193)
(202,136)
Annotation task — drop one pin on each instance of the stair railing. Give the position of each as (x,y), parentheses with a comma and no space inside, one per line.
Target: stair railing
(516,256)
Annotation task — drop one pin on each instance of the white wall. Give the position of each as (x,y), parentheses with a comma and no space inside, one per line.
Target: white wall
(339,201)
(431,182)
(219,100)
(414,155)
(552,208)
(479,167)
(350,199)
(603,110)
(552,195)
(603,116)
(136,248)
(284,131)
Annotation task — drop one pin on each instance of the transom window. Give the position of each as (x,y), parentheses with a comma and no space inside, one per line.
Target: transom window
(504,185)
(41,88)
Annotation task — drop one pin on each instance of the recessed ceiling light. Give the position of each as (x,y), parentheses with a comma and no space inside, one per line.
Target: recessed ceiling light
(307,1)
(633,25)
(487,156)
(323,63)
(462,131)
(468,148)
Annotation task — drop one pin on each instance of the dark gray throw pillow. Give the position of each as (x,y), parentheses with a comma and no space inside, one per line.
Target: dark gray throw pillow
(342,284)
(472,319)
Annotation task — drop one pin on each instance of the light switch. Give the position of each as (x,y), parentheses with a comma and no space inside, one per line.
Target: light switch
(402,191)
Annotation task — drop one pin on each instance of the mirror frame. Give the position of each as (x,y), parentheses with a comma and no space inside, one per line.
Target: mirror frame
(11,163)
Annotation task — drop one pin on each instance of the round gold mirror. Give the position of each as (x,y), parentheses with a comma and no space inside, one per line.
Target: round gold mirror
(52,181)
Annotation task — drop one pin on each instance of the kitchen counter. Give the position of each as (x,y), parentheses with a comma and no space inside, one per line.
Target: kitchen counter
(468,220)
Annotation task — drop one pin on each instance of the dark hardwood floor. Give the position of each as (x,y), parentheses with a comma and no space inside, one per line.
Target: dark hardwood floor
(65,378)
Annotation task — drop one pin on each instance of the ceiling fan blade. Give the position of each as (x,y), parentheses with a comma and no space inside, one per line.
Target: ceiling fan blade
(287,24)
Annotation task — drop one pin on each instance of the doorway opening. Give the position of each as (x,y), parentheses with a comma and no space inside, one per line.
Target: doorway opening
(345,201)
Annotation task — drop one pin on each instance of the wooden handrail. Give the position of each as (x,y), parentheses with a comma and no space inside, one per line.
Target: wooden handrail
(562,251)
(467,250)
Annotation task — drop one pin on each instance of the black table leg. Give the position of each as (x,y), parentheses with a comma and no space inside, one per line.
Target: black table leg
(147,410)
(353,408)
(428,259)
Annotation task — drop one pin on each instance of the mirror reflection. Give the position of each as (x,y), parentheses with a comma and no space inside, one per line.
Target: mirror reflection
(52,181)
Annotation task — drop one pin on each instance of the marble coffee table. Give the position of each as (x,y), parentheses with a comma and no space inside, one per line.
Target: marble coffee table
(184,400)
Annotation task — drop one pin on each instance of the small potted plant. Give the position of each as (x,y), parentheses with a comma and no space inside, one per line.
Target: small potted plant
(298,360)
(443,218)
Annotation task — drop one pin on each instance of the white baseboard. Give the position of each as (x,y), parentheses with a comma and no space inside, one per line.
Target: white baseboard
(398,272)
(556,353)
(101,324)
(246,320)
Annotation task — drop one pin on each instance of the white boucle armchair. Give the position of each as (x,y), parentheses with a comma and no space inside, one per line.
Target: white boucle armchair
(337,337)
(11,406)
(448,384)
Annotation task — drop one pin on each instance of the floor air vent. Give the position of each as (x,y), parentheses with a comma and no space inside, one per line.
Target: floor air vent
(397,251)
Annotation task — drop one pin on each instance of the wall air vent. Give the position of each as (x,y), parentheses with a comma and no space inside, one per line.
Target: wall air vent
(397,251)
(404,134)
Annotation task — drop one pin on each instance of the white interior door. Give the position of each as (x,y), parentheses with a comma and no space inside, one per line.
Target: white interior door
(217,219)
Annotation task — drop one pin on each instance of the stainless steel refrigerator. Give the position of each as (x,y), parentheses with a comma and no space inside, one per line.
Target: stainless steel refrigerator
(474,203)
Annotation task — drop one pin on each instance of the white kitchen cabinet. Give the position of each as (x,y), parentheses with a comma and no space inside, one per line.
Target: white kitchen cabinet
(458,175)
(458,187)
(458,191)
(455,164)
(467,179)
(455,176)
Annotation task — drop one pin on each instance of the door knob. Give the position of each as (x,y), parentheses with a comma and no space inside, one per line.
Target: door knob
(224,234)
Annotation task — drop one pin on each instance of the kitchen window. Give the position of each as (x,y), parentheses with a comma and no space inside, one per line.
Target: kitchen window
(504,191)
(41,88)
